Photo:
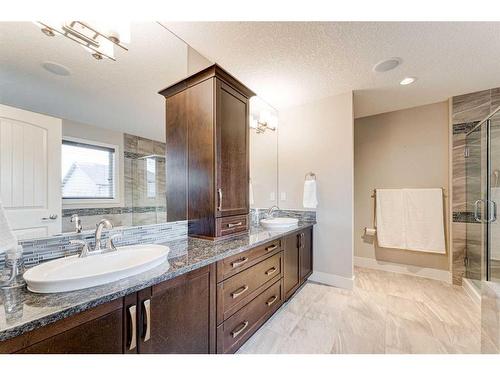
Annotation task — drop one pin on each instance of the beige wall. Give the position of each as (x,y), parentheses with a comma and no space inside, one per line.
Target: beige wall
(407,148)
(318,137)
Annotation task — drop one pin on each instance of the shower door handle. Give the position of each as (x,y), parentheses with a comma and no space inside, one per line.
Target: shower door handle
(493,214)
(476,210)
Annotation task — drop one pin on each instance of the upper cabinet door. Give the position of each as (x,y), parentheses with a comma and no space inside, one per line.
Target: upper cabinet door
(232,151)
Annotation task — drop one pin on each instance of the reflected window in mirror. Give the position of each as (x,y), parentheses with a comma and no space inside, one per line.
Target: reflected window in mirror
(89,171)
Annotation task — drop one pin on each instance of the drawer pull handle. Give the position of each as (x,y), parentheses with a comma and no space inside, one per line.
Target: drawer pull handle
(240,329)
(232,225)
(239,262)
(147,309)
(272,247)
(132,312)
(239,291)
(271,300)
(270,271)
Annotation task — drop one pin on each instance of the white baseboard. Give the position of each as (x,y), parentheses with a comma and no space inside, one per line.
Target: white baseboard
(332,280)
(430,273)
(471,291)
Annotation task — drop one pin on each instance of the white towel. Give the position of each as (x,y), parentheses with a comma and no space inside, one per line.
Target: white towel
(250,193)
(424,223)
(411,219)
(310,199)
(390,215)
(8,239)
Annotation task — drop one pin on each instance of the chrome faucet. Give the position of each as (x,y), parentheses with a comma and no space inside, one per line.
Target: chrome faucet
(269,212)
(85,247)
(104,223)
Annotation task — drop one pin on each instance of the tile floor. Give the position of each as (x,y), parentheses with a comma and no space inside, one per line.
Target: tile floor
(384,313)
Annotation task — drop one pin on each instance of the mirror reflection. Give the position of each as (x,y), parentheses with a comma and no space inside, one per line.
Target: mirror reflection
(82,132)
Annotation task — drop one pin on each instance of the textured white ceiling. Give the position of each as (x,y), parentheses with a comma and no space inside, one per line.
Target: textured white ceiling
(288,63)
(119,95)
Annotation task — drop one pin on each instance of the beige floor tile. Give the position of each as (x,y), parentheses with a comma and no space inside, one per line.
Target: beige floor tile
(384,313)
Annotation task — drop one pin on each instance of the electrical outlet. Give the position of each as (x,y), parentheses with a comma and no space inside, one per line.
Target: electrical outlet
(272,196)
(283,196)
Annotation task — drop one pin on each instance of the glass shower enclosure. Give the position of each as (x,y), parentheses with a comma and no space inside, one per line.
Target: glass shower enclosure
(482,166)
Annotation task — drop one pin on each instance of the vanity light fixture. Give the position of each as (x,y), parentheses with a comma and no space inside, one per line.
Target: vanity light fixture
(407,81)
(99,40)
(265,122)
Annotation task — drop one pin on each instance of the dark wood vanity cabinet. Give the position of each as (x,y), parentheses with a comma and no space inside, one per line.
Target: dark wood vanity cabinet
(95,331)
(207,135)
(213,309)
(298,259)
(182,318)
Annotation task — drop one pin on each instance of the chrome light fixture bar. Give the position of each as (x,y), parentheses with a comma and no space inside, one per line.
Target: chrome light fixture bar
(266,122)
(99,44)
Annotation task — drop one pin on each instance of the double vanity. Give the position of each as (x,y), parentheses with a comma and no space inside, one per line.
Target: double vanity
(205,292)
(210,299)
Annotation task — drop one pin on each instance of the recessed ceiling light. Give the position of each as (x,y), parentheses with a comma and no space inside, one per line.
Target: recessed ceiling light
(386,65)
(56,68)
(407,81)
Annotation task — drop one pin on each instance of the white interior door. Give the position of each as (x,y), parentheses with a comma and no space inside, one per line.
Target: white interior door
(30,171)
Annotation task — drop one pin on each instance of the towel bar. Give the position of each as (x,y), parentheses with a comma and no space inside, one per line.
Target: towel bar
(445,195)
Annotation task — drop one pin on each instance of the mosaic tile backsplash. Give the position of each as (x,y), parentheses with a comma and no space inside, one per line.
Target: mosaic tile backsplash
(42,250)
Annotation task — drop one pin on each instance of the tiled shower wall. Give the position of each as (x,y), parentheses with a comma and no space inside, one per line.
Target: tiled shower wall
(467,111)
(137,208)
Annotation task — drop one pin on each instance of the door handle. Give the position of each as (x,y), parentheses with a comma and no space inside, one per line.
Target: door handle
(476,210)
(132,312)
(219,193)
(493,214)
(51,217)
(147,309)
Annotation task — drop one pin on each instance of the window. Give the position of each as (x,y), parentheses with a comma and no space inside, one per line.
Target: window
(88,171)
(151,177)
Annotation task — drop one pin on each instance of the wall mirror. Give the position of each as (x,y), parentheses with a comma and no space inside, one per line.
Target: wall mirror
(83,134)
(264,129)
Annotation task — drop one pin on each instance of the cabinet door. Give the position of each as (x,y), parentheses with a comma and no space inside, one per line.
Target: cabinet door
(96,331)
(232,151)
(306,254)
(181,316)
(291,266)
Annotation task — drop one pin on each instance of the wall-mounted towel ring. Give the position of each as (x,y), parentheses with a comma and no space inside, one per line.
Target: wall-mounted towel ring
(311,175)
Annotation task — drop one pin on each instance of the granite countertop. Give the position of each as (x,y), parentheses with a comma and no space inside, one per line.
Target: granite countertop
(22,311)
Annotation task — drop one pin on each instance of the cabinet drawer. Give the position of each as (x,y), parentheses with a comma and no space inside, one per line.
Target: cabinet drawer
(238,328)
(237,291)
(236,263)
(225,226)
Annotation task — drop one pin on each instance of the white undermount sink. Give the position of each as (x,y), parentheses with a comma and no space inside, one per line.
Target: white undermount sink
(73,273)
(277,223)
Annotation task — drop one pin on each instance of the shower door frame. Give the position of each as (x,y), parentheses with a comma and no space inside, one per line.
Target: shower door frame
(486,218)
